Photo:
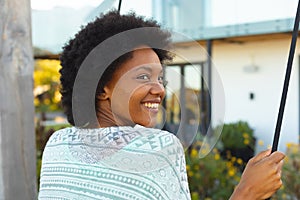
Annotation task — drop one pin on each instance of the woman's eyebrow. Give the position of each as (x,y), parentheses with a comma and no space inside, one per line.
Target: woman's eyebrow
(147,68)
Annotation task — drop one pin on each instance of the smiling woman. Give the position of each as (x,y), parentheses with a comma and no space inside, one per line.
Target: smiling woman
(121,155)
(119,158)
(138,102)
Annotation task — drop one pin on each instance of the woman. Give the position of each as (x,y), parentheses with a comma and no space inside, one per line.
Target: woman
(122,156)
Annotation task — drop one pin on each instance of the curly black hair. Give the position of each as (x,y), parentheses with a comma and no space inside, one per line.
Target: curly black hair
(104,27)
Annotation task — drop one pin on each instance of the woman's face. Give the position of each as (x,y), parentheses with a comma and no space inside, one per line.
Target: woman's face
(136,89)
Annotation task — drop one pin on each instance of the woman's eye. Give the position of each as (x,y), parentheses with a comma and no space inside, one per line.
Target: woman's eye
(161,79)
(143,77)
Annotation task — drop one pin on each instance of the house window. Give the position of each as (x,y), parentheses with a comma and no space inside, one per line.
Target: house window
(186,101)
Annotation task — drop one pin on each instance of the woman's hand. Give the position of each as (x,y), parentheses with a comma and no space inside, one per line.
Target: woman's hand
(261,177)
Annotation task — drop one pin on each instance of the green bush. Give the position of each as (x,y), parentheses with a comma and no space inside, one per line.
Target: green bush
(290,174)
(211,177)
(237,136)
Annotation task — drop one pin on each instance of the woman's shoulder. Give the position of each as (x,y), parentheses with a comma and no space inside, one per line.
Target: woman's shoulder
(160,139)
(74,133)
(154,131)
(61,135)
(112,136)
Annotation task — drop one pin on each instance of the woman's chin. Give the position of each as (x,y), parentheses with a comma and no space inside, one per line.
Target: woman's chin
(150,123)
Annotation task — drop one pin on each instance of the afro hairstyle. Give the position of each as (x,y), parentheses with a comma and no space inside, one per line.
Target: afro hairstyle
(94,33)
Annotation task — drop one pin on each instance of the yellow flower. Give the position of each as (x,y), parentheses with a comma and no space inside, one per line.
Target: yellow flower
(261,143)
(36,101)
(246,141)
(47,101)
(190,173)
(233,159)
(295,149)
(239,161)
(231,172)
(188,167)
(217,156)
(57,97)
(229,164)
(194,153)
(292,148)
(288,145)
(246,135)
(204,151)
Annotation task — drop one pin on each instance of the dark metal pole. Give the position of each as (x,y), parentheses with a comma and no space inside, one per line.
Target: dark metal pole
(286,80)
(299,99)
(203,110)
(119,7)
(209,76)
(182,95)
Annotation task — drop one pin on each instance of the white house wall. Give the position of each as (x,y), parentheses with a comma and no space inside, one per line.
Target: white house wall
(231,61)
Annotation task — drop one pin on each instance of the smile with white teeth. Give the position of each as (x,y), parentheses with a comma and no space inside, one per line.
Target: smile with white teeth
(151,105)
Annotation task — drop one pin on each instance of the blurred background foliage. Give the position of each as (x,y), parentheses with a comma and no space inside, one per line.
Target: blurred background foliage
(237,135)
(211,177)
(290,174)
(46,85)
(47,98)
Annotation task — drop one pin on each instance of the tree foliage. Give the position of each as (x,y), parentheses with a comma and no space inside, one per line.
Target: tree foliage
(46,85)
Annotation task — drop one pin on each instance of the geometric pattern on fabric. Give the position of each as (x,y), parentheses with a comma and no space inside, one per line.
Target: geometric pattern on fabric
(114,163)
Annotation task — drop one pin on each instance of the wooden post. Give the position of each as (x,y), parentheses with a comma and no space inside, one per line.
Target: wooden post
(17,137)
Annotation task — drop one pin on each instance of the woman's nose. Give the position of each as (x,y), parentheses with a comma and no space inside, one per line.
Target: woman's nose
(157,89)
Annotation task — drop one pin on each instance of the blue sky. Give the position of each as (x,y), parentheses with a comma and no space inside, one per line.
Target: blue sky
(243,11)
(221,12)
(235,11)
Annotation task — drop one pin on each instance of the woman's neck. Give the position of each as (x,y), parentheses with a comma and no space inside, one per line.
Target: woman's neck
(104,114)
(106,118)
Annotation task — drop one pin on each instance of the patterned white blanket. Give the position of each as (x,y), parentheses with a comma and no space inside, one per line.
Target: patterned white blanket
(113,163)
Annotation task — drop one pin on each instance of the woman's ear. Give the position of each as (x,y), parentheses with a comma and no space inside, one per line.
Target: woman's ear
(105,95)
